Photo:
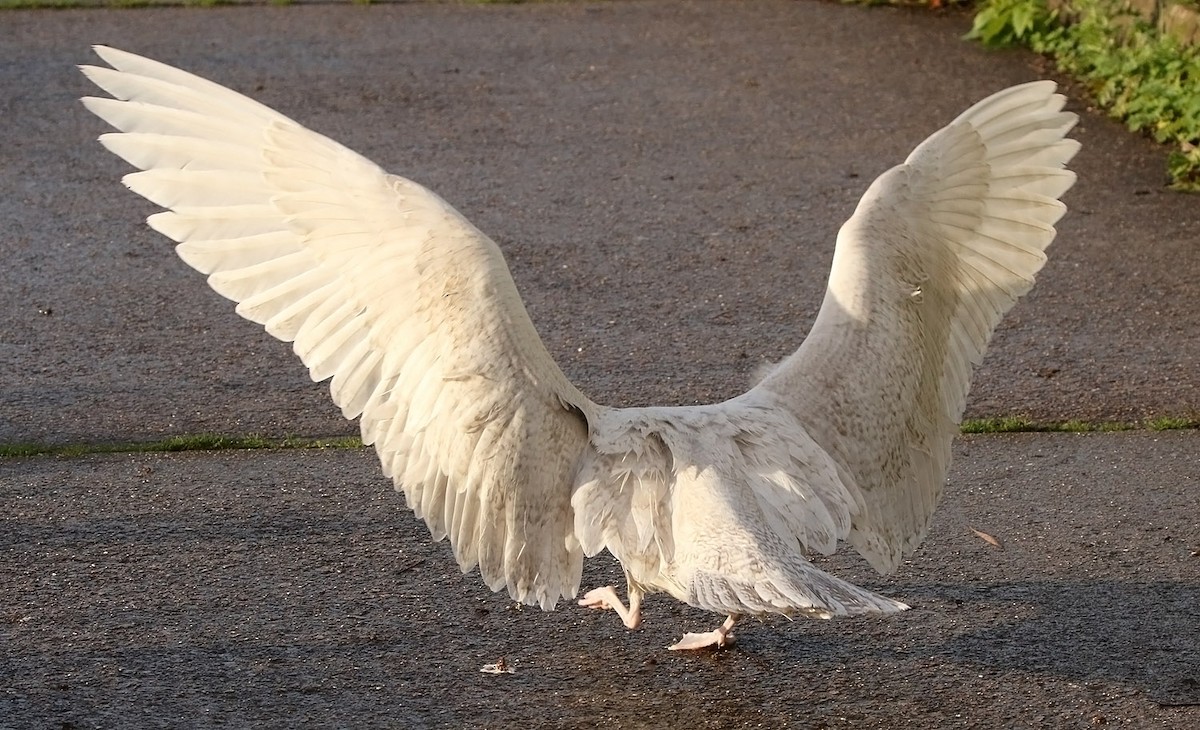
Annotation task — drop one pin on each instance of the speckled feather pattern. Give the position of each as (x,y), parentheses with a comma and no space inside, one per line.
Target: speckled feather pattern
(939,248)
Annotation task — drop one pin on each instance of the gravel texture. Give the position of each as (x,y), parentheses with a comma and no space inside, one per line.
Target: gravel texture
(666,180)
(289,589)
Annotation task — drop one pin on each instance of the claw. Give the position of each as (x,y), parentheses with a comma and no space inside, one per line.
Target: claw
(603,599)
(719,637)
(606,598)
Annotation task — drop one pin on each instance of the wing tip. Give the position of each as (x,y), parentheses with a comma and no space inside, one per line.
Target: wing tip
(112,56)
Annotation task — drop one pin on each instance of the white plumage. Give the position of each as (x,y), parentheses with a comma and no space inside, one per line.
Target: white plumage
(383,287)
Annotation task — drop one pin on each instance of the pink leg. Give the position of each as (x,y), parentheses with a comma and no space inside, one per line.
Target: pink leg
(718,637)
(606,598)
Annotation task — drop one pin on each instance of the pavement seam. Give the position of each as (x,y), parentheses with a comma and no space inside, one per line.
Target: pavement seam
(254,442)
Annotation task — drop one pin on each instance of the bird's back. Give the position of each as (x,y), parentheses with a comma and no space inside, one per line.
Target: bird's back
(717,505)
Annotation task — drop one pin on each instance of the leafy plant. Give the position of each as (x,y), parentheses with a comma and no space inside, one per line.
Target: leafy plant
(1011,22)
(1146,79)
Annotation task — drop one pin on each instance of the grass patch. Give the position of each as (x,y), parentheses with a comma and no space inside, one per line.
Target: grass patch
(996,425)
(1019,424)
(197,442)
(1168,423)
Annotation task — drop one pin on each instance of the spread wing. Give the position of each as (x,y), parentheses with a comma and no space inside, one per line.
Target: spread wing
(937,251)
(383,287)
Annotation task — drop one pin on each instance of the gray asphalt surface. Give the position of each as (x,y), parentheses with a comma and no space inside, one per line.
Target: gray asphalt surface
(288,589)
(666,180)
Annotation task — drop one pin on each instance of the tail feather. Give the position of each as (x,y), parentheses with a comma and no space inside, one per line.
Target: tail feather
(803,590)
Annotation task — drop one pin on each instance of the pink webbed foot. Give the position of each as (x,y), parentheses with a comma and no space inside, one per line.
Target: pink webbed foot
(602,599)
(606,599)
(719,637)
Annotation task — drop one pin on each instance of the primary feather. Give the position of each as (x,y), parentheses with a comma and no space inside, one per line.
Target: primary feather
(411,312)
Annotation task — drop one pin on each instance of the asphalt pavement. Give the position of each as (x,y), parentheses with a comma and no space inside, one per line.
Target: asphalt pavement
(666,180)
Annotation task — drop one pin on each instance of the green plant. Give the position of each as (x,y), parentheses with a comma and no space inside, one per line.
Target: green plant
(1011,22)
(1168,423)
(1146,79)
